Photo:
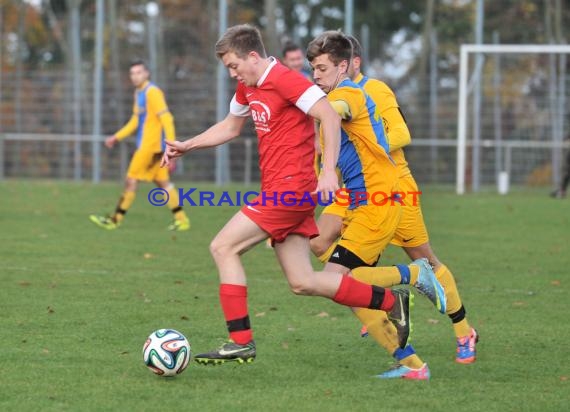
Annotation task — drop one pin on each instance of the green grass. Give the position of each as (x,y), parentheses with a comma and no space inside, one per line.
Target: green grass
(77,303)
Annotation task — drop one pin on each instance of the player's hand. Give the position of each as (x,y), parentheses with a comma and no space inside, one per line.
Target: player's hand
(173,150)
(172,166)
(110,141)
(327,185)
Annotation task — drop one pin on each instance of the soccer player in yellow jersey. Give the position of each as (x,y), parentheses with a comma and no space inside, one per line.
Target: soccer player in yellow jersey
(366,168)
(411,233)
(152,123)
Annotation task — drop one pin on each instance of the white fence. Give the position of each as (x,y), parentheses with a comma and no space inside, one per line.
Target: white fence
(70,157)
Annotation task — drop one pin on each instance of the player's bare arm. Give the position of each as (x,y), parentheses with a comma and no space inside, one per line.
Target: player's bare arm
(218,134)
(330,124)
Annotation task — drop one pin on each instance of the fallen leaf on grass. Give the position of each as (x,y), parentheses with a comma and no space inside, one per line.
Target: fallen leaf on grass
(260,314)
(148,255)
(50,309)
(323,315)
(24,283)
(519,303)
(142,295)
(555,283)
(433,321)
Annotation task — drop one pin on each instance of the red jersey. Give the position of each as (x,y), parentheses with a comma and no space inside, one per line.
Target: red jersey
(285,133)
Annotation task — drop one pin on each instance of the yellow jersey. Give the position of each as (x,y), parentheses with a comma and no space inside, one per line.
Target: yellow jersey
(364,162)
(394,121)
(151,120)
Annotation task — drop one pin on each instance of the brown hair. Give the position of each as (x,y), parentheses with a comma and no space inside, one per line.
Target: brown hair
(333,43)
(356,47)
(139,62)
(241,40)
(289,47)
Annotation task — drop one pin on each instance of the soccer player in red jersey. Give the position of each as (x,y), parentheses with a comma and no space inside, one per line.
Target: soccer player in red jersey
(283,105)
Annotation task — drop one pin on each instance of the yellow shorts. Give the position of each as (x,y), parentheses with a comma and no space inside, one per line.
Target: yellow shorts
(336,209)
(412,230)
(368,229)
(145,166)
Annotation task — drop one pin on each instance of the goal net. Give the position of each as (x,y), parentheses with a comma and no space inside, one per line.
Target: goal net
(513,115)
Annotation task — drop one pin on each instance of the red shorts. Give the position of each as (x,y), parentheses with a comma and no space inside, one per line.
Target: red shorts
(280,220)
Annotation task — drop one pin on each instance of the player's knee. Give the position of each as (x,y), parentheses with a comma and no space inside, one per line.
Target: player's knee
(218,248)
(130,185)
(164,184)
(301,287)
(319,246)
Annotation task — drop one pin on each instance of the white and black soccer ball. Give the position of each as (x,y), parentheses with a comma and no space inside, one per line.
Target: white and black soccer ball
(166,352)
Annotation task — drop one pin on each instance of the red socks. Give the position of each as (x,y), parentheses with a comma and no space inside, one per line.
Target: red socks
(233,299)
(351,292)
(356,294)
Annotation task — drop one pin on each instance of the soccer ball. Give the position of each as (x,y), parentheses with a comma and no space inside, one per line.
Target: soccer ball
(166,352)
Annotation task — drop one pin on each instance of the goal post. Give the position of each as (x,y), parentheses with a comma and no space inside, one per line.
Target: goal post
(468,51)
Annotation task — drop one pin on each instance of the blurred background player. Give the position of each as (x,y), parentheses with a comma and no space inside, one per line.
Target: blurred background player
(411,233)
(152,123)
(294,58)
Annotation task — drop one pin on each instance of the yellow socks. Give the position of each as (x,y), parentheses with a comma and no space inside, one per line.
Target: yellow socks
(462,328)
(125,203)
(408,357)
(379,327)
(384,333)
(387,276)
(455,308)
(176,210)
(445,277)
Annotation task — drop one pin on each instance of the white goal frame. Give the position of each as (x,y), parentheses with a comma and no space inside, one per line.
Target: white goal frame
(467,49)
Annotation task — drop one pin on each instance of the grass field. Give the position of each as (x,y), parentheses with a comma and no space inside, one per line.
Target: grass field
(77,303)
